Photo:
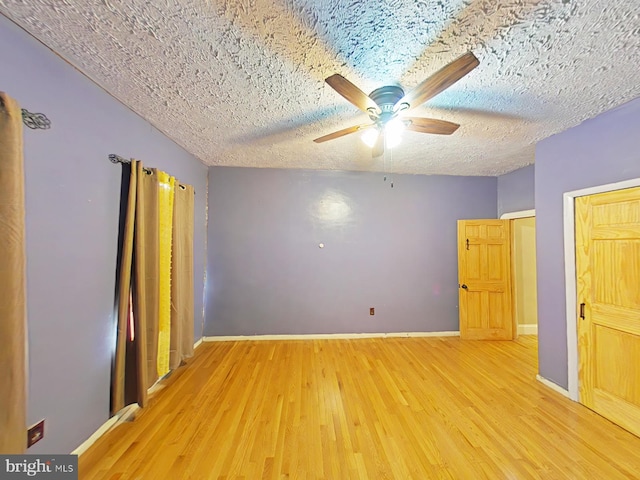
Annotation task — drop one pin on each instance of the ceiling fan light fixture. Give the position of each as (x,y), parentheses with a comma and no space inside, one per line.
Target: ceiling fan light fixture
(393,132)
(385,104)
(370,136)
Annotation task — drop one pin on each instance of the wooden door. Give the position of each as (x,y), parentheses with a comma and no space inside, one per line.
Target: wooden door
(608,281)
(484,275)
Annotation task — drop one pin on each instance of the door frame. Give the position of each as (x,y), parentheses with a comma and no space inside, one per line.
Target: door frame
(518,214)
(571,293)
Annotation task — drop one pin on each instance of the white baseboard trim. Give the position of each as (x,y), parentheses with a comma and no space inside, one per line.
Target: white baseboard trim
(123,415)
(528,329)
(119,417)
(106,426)
(553,386)
(329,336)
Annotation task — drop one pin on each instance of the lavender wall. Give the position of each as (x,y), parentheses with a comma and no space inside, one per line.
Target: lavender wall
(72,195)
(516,190)
(599,151)
(389,248)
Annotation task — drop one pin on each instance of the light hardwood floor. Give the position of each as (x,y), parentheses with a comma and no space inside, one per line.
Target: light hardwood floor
(394,408)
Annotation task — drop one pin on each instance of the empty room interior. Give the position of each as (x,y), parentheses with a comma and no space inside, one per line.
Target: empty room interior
(321,240)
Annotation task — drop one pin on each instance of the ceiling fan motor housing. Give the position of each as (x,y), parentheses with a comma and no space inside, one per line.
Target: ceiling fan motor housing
(386,98)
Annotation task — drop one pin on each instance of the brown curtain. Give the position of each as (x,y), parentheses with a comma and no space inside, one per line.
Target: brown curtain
(182,314)
(137,324)
(13,318)
(138,290)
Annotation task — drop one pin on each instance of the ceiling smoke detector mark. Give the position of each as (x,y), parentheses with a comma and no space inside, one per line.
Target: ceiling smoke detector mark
(35,433)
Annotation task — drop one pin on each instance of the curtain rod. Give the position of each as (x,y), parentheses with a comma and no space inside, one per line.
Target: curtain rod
(35,120)
(118,159)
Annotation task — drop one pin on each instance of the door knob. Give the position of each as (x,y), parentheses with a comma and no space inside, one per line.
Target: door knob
(464,286)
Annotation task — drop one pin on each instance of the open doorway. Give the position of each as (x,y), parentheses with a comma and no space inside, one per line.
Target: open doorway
(523,261)
(524,273)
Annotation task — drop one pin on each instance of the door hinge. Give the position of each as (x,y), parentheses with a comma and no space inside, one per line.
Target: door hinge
(582,311)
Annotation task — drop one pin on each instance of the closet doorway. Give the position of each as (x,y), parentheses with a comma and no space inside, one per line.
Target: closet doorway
(523,261)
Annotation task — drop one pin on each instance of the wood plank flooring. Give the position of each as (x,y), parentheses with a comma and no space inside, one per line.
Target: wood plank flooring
(394,408)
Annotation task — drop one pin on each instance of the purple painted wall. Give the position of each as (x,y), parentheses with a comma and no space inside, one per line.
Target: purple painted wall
(72,195)
(389,248)
(600,151)
(516,190)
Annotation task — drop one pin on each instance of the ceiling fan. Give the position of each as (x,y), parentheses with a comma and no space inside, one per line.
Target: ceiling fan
(385,104)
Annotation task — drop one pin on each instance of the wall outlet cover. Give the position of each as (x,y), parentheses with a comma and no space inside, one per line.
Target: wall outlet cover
(35,433)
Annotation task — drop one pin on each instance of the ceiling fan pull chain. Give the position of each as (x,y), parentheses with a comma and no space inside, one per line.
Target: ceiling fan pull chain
(390,157)
(384,165)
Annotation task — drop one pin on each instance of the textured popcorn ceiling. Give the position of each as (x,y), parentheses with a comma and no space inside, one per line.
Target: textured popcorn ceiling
(241,82)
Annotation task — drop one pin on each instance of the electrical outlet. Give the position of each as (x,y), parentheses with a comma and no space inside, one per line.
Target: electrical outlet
(35,433)
(372,311)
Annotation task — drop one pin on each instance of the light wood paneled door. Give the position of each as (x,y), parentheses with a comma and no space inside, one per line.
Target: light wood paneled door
(484,275)
(608,270)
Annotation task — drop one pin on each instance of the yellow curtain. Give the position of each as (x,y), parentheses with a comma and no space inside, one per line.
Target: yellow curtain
(165,211)
(13,315)
(182,314)
(147,265)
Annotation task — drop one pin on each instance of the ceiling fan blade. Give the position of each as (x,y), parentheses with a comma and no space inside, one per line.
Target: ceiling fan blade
(352,93)
(431,125)
(341,133)
(378,148)
(439,81)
